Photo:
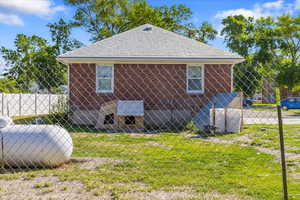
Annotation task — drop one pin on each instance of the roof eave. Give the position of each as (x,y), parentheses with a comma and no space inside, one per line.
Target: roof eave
(155,60)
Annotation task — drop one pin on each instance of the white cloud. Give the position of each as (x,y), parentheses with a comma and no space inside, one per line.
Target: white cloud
(239,11)
(10,19)
(273,5)
(34,7)
(272,8)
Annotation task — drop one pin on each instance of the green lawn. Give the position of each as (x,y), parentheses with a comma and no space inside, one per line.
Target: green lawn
(167,161)
(175,162)
(263,104)
(267,136)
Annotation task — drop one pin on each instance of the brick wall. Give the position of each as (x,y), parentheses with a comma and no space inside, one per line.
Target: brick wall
(161,86)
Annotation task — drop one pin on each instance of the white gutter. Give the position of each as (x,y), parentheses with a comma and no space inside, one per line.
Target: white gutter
(148,60)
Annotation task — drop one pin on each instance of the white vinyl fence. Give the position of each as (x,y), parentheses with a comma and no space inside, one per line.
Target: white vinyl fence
(28,104)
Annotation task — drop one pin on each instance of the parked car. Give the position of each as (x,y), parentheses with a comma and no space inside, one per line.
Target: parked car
(257,98)
(247,102)
(290,103)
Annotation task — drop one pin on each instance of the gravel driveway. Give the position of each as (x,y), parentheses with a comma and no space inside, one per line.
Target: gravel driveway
(268,117)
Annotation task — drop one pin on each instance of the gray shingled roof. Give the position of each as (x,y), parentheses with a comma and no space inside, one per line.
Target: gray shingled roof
(148,41)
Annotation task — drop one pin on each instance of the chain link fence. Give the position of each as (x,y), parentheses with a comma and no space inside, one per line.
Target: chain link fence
(151,131)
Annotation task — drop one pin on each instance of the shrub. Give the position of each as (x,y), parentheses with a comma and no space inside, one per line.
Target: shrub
(59,112)
(191,126)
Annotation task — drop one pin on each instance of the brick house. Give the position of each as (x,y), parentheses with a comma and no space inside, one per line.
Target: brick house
(172,75)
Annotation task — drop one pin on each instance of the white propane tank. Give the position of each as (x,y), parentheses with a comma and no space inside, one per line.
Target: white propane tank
(35,145)
(5,121)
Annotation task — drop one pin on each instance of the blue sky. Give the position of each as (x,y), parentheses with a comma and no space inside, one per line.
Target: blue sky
(31,16)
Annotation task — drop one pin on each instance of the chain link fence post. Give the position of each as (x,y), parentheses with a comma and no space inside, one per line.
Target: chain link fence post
(282,153)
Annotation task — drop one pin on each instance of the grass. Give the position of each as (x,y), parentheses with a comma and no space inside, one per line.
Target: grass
(294,111)
(169,160)
(180,161)
(166,161)
(267,136)
(263,104)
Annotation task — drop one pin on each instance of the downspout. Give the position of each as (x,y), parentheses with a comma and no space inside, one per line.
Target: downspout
(2,151)
(232,71)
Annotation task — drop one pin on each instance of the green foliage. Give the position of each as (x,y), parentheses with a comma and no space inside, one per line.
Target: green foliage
(289,76)
(20,60)
(104,18)
(238,34)
(191,126)
(9,86)
(34,60)
(277,96)
(59,112)
(246,79)
(204,33)
(270,46)
(60,35)
(61,106)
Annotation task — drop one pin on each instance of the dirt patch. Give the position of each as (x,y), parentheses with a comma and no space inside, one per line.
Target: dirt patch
(216,195)
(296,176)
(107,144)
(92,163)
(158,195)
(155,144)
(184,194)
(44,188)
(143,135)
(50,187)
(243,139)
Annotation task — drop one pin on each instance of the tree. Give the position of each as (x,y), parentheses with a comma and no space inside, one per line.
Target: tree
(289,76)
(238,32)
(49,73)
(60,35)
(104,18)
(271,46)
(239,37)
(34,60)
(20,60)
(9,86)
(246,78)
(204,33)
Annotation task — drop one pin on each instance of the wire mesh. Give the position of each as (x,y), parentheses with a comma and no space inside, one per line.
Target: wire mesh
(149,131)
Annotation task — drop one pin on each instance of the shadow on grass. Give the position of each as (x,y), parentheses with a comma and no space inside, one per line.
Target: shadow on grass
(61,119)
(7,169)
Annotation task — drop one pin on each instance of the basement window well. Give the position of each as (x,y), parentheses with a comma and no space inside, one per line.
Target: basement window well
(129,120)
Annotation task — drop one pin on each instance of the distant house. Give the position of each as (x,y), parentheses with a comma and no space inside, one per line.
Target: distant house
(172,75)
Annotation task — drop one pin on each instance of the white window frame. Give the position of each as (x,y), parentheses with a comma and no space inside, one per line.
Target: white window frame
(202,79)
(97,78)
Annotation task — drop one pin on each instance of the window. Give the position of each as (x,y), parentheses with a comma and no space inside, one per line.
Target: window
(129,120)
(195,79)
(109,119)
(292,100)
(104,78)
